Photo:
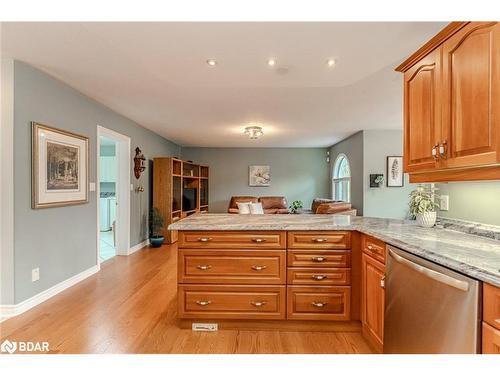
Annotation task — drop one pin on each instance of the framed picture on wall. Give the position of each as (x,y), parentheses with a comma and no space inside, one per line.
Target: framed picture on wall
(259,175)
(395,175)
(59,167)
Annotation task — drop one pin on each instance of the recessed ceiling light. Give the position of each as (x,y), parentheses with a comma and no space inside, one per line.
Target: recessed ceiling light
(212,62)
(330,63)
(271,62)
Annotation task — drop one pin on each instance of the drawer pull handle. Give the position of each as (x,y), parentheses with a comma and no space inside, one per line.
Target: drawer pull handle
(373,248)
(259,268)
(204,267)
(204,239)
(258,303)
(203,303)
(318,259)
(258,240)
(320,240)
(318,304)
(319,277)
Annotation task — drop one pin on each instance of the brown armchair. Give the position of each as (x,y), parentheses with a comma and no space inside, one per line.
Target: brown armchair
(233,207)
(274,205)
(328,206)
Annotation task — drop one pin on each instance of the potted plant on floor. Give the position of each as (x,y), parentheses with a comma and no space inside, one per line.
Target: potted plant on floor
(296,207)
(156,223)
(423,206)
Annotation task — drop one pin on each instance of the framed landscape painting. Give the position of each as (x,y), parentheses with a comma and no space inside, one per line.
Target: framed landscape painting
(259,175)
(395,175)
(59,167)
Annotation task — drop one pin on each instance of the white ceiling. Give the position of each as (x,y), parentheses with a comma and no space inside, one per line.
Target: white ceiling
(156,75)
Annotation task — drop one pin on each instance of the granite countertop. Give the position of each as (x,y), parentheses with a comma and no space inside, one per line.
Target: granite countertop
(475,256)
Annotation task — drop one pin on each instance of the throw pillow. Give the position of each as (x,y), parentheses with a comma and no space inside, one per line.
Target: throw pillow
(256,208)
(243,208)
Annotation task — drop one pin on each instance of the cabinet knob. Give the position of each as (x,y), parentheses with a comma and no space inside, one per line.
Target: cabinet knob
(203,303)
(204,267)
(258,303)
(318,259)
(258,240)
(259,268)
(370,247)
(204,239)
(318,304)
(319,277)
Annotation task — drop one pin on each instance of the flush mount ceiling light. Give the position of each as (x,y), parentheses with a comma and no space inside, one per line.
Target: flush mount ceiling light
(254,132)
(212,62)
(330,63)
(271,62)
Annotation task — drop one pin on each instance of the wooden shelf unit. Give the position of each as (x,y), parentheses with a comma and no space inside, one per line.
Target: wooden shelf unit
(171,176)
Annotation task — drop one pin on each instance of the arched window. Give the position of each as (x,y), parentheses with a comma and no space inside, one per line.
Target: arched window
(341,179)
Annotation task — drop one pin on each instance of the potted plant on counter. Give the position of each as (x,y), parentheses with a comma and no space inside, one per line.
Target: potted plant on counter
(156,223)
(423,206)
(296,207)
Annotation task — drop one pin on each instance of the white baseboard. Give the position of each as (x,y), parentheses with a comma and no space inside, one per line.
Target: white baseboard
(138,247)
(8,311)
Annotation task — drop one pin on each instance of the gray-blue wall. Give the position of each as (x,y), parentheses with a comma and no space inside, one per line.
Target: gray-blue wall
(296,173)
(62,241)
(352,147)
(367,152)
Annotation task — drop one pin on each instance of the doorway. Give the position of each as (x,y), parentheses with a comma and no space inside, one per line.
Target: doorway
(113,192)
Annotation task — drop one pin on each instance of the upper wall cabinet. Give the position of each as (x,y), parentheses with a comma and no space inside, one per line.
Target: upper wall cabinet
(452,105)
(422,113)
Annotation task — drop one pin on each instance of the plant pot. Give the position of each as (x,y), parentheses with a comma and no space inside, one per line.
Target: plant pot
(426,219)
(156,241)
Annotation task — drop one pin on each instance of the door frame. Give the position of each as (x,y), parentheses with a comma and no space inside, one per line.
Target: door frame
(122,189)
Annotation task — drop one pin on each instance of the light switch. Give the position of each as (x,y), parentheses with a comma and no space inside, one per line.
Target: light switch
(92,186)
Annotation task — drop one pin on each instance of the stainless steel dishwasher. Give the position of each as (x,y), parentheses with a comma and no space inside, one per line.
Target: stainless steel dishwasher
(429,308)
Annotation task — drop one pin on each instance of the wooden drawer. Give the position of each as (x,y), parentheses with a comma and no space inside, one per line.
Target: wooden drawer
(491,340)
(491,305)
(232,240)
(318,302)
(319,258)
(374,248)
(319,276)
(319,240)
(232,302)
(232,266)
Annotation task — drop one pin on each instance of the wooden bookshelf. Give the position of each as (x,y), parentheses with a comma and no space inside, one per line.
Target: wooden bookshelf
(171,176)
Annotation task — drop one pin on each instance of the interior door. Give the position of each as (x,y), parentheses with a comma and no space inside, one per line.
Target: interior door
(471,91)
(422,113)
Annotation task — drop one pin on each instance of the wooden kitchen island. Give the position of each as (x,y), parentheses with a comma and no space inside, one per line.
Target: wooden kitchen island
(306,272)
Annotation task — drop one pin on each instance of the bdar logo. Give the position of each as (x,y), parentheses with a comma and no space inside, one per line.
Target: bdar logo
(8,347)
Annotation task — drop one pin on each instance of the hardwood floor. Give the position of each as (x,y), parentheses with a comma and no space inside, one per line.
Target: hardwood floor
(130,307)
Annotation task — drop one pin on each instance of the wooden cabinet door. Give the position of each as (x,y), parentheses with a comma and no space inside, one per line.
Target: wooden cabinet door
(373,294)
(471,96)
(422,113)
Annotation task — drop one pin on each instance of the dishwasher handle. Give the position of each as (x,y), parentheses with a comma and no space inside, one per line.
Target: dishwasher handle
(440,277)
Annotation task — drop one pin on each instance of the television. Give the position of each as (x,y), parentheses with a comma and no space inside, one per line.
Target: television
(189,199)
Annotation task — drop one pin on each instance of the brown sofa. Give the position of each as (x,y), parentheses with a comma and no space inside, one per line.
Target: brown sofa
(329,206)
(270,205)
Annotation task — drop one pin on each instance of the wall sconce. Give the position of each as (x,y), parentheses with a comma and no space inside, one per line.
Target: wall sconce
(139,163)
